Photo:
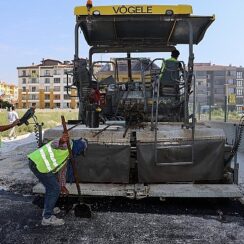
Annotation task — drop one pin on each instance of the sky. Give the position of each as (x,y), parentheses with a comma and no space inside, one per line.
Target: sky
(33,30)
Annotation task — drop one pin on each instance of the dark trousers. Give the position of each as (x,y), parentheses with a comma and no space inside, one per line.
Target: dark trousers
(50,182)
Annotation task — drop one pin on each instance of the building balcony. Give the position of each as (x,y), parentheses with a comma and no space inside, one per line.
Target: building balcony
(33,83)
(24,76)
(33,92)
(46,75)
(33,100)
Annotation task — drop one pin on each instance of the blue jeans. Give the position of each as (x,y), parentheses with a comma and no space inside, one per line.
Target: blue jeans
(52,187)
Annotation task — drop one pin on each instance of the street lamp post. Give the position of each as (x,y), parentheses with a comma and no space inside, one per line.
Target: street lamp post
(226,104)
(210,109)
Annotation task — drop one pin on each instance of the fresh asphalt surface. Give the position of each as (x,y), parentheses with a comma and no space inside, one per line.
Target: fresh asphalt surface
(117,220)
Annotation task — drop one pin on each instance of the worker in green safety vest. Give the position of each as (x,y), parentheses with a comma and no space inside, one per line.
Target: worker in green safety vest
(171,67)
(45,163)
(174,56)
(170,71)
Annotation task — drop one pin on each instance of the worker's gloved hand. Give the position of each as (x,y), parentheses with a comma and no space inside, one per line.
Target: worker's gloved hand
(64,190)
(80,147)
(64,139)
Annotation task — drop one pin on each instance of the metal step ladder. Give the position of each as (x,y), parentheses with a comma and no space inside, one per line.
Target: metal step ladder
(186,124)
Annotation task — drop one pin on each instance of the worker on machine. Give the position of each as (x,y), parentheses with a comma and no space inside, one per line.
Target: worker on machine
(46,162)
(174,57)
(172,64)
(170,72)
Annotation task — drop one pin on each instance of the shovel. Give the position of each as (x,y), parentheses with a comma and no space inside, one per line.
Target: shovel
(81,209)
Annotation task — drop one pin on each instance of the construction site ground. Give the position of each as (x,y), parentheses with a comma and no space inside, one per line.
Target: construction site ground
(115,220)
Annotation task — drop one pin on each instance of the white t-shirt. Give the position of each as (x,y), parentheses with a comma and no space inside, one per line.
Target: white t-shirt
(12,116)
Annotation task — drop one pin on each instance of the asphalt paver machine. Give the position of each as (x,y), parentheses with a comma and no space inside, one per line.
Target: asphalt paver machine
(143,139)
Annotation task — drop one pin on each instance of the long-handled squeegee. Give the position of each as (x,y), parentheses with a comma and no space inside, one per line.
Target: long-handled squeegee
(81,209)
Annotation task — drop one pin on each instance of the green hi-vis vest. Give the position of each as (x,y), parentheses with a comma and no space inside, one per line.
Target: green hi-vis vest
(163,66)
(48,159)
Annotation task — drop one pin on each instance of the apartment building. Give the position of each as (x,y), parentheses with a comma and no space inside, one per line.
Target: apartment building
(239,89)
(121,73)
(217,83)
(9,92)
(43,85)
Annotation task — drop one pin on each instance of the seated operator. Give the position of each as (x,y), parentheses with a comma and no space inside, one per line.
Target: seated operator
(171,68)
(170,72)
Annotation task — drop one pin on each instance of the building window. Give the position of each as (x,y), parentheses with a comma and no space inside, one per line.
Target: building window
(239,83)
(239,75)
(57,105)
(57,97)
(230,81)
(56,72)
(23,72)
(33,73)
(33,97)
(56,88)
(47,72)
(47,89)
(47,97)
(66,97)
(47,80)
(231,90)
(33,89)
(239,92)
(24,89)
(65,80)
(24,81)
(34,80)
(47,105)
(56,80)
(239,100)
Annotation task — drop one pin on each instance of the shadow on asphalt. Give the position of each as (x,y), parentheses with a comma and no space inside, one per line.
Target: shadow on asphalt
(182,206)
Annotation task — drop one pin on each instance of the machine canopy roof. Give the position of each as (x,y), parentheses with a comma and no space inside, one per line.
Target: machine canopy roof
(114,29)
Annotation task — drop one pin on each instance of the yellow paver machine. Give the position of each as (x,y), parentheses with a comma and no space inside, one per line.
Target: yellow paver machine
(143,141)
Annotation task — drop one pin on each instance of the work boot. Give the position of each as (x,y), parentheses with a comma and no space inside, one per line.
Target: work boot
(56,210)
(53,220)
